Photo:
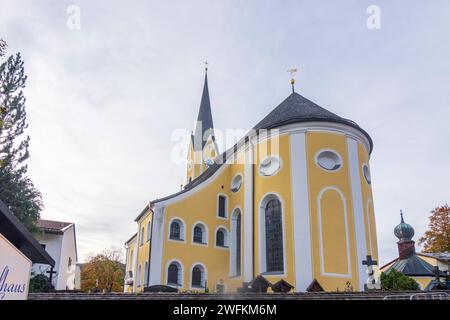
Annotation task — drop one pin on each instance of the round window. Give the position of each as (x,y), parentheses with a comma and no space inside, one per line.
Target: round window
(329,160)
(209,162)
(366,173)
(236,183)
(269,166)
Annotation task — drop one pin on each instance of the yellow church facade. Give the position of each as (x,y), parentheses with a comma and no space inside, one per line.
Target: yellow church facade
(292,201)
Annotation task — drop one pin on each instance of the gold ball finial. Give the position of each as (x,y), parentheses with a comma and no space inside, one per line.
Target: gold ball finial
(292,71)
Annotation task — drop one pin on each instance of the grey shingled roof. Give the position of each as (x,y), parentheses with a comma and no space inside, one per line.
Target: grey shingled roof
(295,108)
(204,116)
(51,226)
(413,266)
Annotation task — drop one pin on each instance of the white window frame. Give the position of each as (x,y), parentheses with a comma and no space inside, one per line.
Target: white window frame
(205,233)
(226,206)
(180,274)
(204,277)
(182,230)
(226,238)
(316,160)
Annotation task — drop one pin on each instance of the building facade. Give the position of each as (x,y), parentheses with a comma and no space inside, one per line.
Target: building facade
(292,201)
(59,240)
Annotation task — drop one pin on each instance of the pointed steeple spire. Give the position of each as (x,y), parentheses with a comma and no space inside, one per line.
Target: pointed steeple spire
(204,118)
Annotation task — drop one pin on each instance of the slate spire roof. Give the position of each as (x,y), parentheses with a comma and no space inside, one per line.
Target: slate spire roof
(204,118)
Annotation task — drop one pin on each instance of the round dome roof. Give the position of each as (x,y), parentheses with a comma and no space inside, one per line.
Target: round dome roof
(403,231)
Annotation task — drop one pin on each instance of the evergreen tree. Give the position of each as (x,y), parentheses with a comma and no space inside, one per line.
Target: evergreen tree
(16,189)
(396,281)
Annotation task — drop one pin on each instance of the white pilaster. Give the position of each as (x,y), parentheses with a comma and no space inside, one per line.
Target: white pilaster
(157,246)
(248,215)
(358,209)
(301,212)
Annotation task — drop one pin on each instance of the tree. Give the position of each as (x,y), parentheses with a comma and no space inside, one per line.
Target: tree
(16,189)
(437,238)
(396,281)
(41,283)
(104,271)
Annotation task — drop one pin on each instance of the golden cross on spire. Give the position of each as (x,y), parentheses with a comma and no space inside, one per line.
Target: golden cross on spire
(292,71)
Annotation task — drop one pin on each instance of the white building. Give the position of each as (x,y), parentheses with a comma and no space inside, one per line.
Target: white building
(59,240)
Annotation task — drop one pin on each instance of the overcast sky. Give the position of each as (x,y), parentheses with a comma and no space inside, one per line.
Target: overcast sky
(103,100)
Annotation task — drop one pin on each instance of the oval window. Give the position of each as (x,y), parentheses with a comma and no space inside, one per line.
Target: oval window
(236,183)
(366,173)
(329,160)
(269,166)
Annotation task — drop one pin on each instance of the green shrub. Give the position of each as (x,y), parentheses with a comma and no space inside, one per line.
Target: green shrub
(394,280)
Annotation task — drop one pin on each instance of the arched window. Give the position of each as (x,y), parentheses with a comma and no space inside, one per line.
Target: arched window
(176,231)
(236,243)
(139,276)
(199,234)
(141,237)
(149,230)
(174,274)
(222,206)
(198,277)
(221,238)
(273,231)
(146,274)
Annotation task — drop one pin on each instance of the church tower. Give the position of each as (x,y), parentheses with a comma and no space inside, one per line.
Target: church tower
(203,147)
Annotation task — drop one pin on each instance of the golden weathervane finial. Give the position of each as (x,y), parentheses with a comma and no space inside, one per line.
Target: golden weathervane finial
(292,71)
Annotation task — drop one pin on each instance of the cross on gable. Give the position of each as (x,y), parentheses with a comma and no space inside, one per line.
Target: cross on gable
(50,272)
(369,262)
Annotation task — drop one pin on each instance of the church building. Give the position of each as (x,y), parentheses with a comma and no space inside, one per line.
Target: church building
(290,203)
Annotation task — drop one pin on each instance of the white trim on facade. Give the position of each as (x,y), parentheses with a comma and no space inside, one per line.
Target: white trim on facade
(347,242)
(370,249)
(157,246)
(358,210)
(247,222)
(301,212)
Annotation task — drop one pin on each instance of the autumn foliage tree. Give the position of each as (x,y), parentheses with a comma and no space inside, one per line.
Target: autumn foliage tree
(437,238)
(103,272)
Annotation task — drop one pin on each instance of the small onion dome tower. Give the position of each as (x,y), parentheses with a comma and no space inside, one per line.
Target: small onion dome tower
(405,232)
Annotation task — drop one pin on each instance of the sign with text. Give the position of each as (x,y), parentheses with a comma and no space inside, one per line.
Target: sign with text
(15,271)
